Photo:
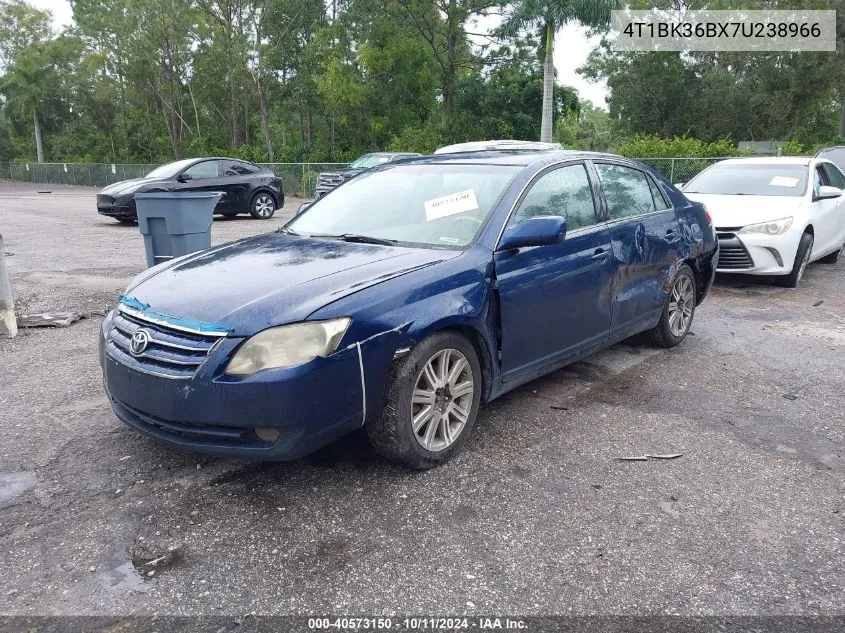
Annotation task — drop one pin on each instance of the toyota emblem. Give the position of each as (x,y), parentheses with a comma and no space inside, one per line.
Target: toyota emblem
(139,342)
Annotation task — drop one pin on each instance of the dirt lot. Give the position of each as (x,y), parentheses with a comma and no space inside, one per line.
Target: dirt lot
(536,517)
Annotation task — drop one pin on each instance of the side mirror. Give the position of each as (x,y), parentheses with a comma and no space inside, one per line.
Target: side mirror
(539,231)
(826,193)
(184,177)
(302,207)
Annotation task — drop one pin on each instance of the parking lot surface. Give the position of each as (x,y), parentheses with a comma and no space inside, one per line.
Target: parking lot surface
(536,516)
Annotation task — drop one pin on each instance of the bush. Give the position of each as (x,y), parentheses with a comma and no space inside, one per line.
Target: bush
(652,146)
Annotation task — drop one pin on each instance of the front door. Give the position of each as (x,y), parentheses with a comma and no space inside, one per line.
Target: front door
(202,176)
(555,300)
(827,214)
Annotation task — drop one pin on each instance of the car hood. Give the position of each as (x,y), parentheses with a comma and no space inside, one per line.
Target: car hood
(272,279)
(125,186)
(736,211)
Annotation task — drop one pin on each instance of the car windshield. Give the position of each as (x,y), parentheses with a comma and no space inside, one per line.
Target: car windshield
(835,155)
(429,205)
(369,160)
(170,169)
(750,180)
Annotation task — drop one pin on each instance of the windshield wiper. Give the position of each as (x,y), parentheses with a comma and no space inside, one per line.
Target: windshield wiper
(360,239)
(366,239)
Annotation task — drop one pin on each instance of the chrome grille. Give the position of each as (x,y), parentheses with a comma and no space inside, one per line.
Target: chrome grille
(171,352)
(328,181)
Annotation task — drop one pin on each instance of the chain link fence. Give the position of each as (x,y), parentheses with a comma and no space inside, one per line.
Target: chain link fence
(300,178)
(297,178)
(679,170)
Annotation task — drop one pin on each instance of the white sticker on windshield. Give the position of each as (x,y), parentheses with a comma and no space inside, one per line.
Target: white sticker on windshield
(454,203)
(783,181)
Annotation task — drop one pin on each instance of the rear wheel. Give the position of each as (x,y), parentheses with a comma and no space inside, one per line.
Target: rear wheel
(262,206)
(802,258)
(678,312)
(431,403)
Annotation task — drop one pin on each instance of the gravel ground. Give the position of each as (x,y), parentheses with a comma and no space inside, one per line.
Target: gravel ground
(537,516)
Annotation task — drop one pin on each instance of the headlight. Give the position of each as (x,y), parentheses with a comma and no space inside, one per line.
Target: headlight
(287,345)
(769,228)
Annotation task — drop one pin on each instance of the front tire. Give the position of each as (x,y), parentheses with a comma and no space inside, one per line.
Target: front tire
(262,206)
(431,403)
(802,258)
(678,312)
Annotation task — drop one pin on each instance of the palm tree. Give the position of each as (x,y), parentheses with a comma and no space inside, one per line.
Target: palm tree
(27,84)
(545,17)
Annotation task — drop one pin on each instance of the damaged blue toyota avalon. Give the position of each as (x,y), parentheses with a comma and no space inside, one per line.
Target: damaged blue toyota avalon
(402,300)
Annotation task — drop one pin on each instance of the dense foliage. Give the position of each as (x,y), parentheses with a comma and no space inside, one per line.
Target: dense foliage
(268,80)
(325,80)
(737,95)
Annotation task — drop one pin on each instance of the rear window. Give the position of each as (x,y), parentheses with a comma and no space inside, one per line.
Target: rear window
(750,180)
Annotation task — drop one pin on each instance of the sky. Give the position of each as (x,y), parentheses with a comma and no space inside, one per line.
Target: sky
(571,49)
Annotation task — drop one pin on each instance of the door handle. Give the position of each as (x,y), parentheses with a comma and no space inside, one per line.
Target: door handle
(600,254)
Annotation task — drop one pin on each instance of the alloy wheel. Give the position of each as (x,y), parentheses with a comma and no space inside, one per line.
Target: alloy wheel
(442,400)
(264,206)
(681,305)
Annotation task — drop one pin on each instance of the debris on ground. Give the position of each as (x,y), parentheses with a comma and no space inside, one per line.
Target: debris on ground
(790,396)
(817,304)
(49,319)
(557,407)
(645,458)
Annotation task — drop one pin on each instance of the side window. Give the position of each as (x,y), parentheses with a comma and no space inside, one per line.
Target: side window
(627,191)
(834,176)
(657,195)
(205,169)
(565,192)
(237,168)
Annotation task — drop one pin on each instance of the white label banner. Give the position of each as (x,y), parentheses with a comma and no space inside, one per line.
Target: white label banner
(738,30)
(454,203)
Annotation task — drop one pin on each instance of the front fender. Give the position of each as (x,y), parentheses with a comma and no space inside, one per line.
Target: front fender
(388,319)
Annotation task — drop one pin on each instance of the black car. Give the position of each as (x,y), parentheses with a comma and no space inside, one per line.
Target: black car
(330,179)
(246,188)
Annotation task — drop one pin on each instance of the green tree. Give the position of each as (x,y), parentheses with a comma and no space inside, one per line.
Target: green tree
(21,25)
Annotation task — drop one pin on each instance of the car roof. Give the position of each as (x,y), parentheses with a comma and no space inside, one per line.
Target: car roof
(497,144)
(767,160)
(509,157)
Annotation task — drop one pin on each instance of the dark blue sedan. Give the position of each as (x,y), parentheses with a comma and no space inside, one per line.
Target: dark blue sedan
(402,300)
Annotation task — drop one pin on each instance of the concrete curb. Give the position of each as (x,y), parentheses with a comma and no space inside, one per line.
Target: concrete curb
(8,322)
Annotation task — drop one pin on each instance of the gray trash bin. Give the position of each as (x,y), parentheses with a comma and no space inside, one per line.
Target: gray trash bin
(175,223)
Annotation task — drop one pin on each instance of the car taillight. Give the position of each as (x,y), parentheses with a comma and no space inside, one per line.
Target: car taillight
(707,215)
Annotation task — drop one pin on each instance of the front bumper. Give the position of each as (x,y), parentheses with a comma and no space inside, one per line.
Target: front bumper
(118,208)
(757,253)
(310,405)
